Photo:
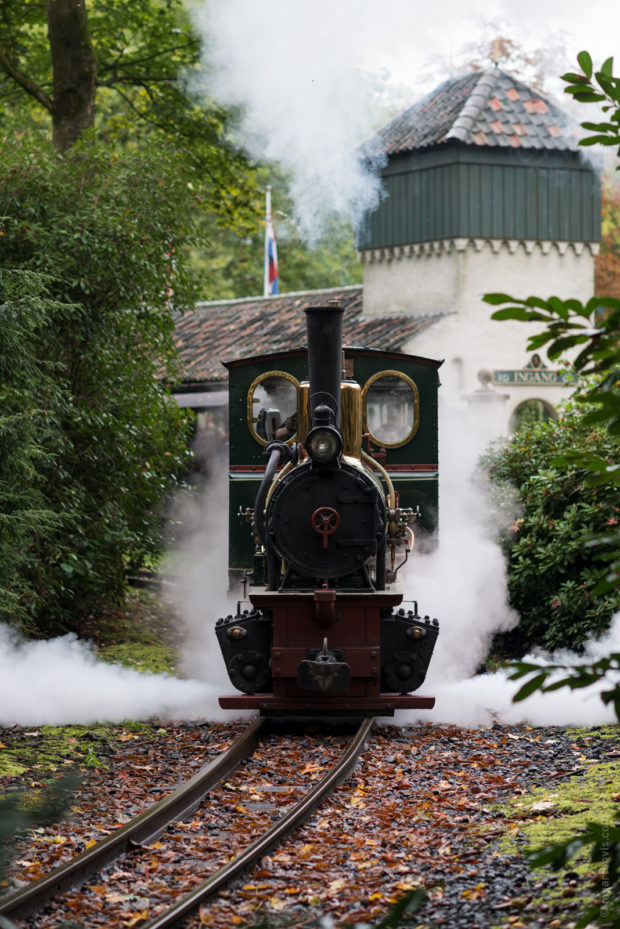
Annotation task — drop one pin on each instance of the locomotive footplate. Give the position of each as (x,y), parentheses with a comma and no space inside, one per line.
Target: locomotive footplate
(383,705)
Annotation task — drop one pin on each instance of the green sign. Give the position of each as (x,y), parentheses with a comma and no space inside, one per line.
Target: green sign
(534,376)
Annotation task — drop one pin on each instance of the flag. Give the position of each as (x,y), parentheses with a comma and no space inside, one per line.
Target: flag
(271,251)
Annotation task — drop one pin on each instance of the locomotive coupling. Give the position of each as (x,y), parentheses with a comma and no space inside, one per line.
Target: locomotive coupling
(324,670)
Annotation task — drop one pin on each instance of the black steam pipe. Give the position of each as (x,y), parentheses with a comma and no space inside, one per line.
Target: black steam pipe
(324,329)
(276,452)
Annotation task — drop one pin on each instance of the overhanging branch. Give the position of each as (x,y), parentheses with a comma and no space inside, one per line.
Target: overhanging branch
(26,83)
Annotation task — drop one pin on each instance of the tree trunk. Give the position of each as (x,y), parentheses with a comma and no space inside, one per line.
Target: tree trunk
(74,70)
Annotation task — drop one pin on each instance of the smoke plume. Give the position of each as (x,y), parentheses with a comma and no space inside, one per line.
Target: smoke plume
(60,681)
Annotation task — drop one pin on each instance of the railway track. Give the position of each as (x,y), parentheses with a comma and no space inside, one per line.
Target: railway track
(141,832)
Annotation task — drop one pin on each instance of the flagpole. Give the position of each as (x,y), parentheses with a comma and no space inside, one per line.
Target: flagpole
(268,222)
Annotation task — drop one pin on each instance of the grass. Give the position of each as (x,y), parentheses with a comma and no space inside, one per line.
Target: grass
(141,634)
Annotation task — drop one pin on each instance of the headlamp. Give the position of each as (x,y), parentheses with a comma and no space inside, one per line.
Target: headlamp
(323,444)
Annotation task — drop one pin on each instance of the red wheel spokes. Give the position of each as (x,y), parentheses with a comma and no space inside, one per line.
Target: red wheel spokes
(325,521)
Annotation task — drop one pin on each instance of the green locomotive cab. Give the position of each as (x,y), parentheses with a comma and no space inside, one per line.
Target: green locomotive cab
(389,425)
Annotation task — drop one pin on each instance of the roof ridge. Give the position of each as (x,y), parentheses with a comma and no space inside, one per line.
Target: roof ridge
(476,101)
(280,296)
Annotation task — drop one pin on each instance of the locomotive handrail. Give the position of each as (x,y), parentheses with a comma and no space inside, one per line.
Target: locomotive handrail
(386,477)
(280,474)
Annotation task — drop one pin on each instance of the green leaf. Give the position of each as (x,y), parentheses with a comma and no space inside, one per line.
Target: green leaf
(585,63)
(519,313)
(572,78)
(607,66)
(495,299)
(535,683)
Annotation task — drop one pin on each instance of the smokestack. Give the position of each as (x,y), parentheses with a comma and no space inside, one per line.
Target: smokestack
(324,329)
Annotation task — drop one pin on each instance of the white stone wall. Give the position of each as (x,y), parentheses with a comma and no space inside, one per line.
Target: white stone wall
(451,277)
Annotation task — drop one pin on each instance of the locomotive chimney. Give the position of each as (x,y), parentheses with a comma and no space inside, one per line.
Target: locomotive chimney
(324,329)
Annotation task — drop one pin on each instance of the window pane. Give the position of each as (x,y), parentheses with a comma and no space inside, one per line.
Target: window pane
(390,409)
(274,408)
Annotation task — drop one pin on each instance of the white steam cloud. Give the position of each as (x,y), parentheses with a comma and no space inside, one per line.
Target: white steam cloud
(305,99)
(200,594)
(59,681)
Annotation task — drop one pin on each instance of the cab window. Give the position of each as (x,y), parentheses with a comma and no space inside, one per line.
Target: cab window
(272,407)
(391,408)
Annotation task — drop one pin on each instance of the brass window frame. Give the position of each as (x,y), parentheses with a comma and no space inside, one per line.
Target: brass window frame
(250,406)
(416,407)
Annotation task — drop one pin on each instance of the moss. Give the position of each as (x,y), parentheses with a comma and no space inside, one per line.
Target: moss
(599,732)
(9,768)
(549,816)
(35,755)
(158,659)
(546,816)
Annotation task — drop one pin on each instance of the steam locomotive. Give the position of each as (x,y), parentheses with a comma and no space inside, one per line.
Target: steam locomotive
(322,529)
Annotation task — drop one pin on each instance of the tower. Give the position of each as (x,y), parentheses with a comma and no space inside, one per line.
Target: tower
(486,190)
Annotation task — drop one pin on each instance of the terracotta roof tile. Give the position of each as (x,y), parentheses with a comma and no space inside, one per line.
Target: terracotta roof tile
(535,105)
(223,331)
(480,109)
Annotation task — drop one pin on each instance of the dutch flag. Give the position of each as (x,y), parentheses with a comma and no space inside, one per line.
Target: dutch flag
(271,251)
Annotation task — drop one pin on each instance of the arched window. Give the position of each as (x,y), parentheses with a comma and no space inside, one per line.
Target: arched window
(272,407)
(531,411)
(391,405)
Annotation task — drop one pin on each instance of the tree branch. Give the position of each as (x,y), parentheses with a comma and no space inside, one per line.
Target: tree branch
(30,86)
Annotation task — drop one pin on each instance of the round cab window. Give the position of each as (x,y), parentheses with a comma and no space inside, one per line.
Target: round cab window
(391,408)
(272,407)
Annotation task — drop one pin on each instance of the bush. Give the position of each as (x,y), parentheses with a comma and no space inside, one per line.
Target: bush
(553,569)
(102,440)
(28,394)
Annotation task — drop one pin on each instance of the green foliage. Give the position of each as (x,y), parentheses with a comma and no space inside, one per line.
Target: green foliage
(592,331)
(553,570)
(105,232)
(28,398)
(145,57)
(590,86)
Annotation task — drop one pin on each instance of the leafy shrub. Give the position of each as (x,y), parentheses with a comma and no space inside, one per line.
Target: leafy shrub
(28,395)
(105,233)
(553,570)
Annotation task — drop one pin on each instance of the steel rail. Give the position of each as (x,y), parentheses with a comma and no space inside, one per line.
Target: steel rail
(300,812)
(139,831)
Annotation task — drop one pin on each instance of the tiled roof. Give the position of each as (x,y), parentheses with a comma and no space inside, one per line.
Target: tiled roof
(231,329)
(486,108)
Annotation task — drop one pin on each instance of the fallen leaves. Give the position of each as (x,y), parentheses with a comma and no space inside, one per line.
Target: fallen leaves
(419,804)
